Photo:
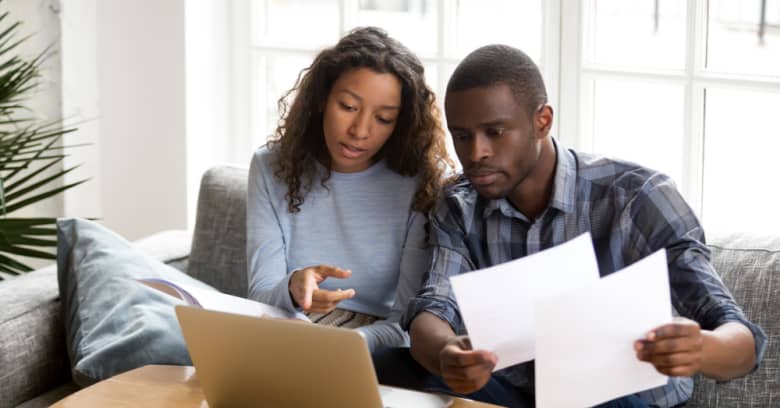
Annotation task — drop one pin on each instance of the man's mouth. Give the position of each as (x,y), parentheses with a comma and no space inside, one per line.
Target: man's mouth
(482,177)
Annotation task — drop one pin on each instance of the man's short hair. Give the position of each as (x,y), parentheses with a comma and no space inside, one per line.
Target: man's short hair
(501,64)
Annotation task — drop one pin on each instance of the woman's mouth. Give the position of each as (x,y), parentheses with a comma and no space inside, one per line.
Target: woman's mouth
(351,152)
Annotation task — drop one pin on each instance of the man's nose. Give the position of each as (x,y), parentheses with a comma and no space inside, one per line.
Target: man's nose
(481,148)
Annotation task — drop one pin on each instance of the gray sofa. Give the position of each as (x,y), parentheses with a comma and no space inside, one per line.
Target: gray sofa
(33,361)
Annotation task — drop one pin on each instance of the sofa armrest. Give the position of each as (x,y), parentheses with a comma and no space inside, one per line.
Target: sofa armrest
(32,346)
(219,241)
(171,247)
(749,265)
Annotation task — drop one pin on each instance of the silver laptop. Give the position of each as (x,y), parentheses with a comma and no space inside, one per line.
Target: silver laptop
(248,361)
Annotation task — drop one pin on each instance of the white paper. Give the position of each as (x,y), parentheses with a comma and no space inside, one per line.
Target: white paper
(218,301)
(497,303)
(399,397)
(585,337)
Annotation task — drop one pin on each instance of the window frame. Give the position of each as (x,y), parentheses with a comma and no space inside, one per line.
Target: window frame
(243,51)
(576,110)
(566,73)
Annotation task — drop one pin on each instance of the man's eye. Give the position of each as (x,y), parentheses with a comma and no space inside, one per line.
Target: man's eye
(494,131)
(459,136)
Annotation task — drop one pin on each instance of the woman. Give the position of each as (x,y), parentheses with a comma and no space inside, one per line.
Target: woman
(335,213)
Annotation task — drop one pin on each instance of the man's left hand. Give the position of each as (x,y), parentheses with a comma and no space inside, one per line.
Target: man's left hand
(675,349)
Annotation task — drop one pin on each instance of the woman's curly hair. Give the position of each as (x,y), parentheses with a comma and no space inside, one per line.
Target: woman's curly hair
(415,148)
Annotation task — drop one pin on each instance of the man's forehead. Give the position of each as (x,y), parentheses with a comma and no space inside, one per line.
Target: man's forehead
(480,105)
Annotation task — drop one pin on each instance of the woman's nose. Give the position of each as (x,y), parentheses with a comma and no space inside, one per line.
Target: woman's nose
(361,126)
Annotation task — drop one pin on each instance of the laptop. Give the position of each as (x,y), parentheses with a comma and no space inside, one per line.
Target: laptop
(250,361)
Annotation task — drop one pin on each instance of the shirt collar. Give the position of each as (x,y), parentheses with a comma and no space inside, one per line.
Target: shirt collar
(564,191)
(564,183)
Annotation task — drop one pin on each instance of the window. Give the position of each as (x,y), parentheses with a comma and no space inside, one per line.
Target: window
(689,88)
(440,32)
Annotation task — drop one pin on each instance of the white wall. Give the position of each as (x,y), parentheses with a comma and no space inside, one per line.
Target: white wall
(78,47)
(40,21)
(124,64)
(210,108)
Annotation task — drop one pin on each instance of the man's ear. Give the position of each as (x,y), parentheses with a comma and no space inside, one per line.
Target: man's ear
(543,120)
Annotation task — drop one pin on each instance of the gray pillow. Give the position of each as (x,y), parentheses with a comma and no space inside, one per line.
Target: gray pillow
(113,323)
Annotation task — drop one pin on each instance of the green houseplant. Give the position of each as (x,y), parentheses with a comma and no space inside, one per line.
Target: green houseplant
(28,148)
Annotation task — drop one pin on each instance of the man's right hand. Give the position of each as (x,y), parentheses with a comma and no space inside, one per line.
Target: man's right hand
(304,289)
(465,370)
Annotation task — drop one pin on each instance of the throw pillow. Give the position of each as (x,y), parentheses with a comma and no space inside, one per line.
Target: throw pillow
(112,322)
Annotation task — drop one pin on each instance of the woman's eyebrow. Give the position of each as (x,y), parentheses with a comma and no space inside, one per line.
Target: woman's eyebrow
(360,98)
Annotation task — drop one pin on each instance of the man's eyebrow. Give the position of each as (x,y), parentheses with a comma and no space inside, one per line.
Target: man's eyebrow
(492,123)
(360,98)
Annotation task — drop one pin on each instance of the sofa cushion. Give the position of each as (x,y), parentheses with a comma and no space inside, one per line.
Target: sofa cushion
(112,322)
(749,265)
(32,353)
(48,398)
(218,254)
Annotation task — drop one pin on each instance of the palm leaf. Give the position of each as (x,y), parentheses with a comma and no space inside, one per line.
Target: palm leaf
(13,264)
(9,270)
(13,227)
(11,207)
(38,184)
(36,231)
(13,186)
(12,223)
(29,149)
(14,240)
(53,148)
(26,139)
(22,251)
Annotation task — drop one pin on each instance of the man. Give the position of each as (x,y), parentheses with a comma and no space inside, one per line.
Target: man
(521,192)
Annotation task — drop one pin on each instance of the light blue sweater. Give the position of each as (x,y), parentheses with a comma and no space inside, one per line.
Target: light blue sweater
(363,222)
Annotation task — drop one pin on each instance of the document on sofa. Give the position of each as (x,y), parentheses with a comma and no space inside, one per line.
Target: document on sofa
(504,321)
(218,301)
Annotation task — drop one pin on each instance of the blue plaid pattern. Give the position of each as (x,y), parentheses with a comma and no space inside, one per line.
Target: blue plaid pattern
(630,211)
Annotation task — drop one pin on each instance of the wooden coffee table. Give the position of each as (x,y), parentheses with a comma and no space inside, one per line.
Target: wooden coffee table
(162,386)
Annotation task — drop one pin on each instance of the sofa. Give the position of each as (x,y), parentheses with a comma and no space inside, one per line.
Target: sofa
(34,367)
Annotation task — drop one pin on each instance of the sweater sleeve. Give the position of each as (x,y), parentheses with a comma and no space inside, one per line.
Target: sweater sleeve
(415,261)
(265,250)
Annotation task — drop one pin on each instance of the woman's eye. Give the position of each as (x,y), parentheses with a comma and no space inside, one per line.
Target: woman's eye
(347,107)
(384,120)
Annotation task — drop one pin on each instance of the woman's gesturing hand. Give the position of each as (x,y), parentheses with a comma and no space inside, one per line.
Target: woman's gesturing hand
(305,291)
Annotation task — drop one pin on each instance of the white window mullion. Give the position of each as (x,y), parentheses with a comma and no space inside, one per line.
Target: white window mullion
(240,129)
(569,89)
(347,15)
(746,82)
(551,55)
(444,25)
(587,99)
(277,51)
(680,78)
(693,134)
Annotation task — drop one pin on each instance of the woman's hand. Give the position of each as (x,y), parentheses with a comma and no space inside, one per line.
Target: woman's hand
(304,289)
